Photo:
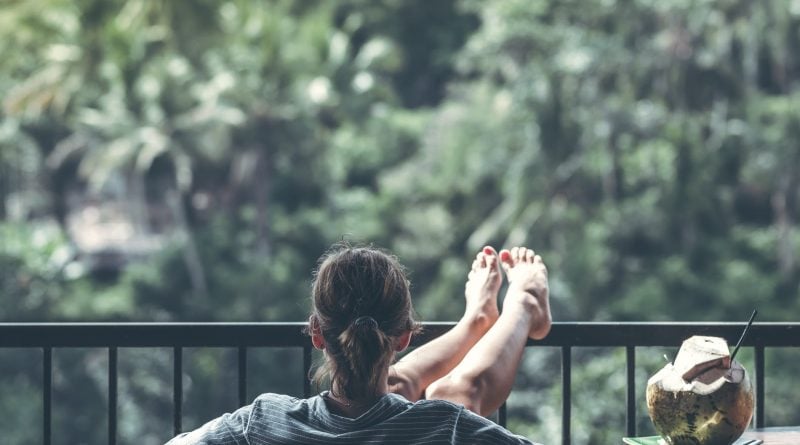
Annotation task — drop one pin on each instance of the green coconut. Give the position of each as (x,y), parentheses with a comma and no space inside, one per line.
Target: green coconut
(704,398)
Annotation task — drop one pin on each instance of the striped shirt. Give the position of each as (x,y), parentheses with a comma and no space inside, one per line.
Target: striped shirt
(277,419)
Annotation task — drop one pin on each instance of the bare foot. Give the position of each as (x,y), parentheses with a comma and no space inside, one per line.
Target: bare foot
(483,283)
(527,285)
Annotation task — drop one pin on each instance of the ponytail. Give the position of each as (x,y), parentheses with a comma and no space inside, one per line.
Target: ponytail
(367,351)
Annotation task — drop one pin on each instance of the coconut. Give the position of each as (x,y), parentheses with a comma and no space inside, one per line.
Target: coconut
(703,398)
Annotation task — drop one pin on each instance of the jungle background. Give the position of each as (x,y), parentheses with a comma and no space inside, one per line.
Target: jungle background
(170,160)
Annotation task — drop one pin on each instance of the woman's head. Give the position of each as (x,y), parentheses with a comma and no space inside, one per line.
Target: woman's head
(361,308)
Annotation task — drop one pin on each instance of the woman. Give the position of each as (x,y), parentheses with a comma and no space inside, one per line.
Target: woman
(361,318)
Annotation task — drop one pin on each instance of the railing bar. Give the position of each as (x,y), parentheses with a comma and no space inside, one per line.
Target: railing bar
(760,387)
(502,415)
(566,394)
(242,375)
(630,412)
(177,388)
(47,392)
(574,334)
(112,395)
(306,371)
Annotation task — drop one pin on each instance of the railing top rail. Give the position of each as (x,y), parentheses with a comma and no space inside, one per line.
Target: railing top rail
(291,334)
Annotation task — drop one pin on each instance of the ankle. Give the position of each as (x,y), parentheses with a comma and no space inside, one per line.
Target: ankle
(535,309)
(521,298)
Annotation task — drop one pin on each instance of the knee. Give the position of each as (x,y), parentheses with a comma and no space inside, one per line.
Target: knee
(406,388)
(457,389)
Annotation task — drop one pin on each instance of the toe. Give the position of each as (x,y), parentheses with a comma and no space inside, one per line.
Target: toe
(491,256)
(515,254)
(491,261)
(481,260)
(506,259)
(529,255)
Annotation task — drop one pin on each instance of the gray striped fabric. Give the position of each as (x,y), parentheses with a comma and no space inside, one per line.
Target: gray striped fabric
(280,419)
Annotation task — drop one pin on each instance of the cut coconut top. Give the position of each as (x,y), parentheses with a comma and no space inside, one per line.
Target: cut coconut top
(669,379)
(700,353)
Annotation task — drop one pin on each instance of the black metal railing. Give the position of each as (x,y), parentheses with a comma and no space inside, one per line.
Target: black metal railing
(250,335)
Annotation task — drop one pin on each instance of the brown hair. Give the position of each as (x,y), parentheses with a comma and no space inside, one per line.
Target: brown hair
(361,301)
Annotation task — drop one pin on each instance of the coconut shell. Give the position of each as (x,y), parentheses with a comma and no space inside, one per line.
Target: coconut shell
(712,409)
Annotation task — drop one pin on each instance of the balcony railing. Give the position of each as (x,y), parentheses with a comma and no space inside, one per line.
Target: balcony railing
(251,335)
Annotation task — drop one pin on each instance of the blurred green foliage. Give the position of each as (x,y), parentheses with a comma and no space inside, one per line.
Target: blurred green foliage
(648,150)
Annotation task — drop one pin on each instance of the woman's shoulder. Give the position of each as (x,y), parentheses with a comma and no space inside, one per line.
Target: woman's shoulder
(271,397)
(438,404)
(281,403)
(428,408)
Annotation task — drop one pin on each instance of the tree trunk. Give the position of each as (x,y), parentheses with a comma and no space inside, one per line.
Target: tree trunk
(191,256)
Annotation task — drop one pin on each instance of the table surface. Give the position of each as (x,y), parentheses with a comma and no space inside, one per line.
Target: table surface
(788,435)
(784,435)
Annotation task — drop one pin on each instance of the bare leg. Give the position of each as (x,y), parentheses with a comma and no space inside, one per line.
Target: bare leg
(483,379)
(413,373)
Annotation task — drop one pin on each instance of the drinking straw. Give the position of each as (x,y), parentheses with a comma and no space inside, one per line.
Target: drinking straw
(739,343)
